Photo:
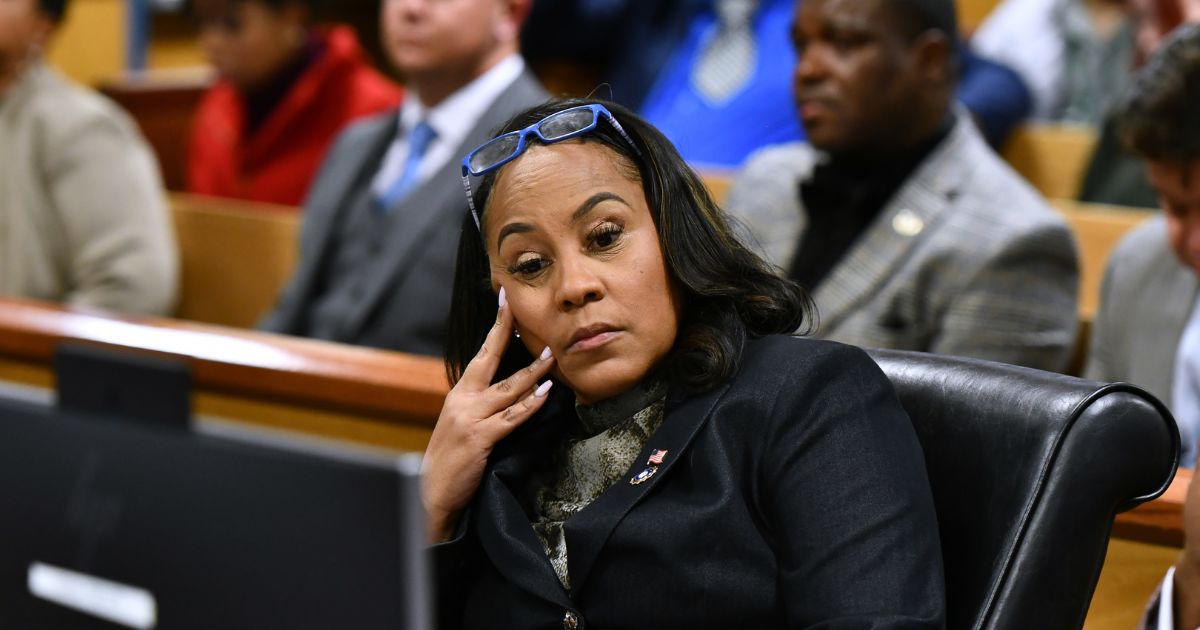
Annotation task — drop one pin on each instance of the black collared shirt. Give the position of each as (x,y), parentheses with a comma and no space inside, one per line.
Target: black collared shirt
(843,196)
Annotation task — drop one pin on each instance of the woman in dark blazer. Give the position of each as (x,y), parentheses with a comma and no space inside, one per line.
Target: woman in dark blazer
(653,451)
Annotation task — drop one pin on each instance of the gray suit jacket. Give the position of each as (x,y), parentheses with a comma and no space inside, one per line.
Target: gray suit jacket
(1145,301)
(965,259)
(405,307)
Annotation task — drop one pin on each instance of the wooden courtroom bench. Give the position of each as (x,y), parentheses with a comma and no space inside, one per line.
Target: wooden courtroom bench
(1097,229)
(1053,158)
(235,257)
(364,395)
(971,13)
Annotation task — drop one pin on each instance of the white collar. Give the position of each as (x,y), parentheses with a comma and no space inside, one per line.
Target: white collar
(454,117)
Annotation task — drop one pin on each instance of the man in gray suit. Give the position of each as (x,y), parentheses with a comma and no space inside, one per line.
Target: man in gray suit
(1147,329)
(382,220)
(908,230)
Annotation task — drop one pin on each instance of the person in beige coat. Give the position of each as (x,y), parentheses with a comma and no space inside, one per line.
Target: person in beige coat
(83,219)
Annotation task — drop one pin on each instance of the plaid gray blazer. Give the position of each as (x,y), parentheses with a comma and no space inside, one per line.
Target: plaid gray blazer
(966,258)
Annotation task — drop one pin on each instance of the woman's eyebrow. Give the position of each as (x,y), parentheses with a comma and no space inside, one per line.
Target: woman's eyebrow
(512,228)
(580,212)
(594,201)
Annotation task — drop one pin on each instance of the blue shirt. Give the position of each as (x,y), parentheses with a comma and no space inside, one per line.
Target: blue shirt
(762,112)
(1185,388)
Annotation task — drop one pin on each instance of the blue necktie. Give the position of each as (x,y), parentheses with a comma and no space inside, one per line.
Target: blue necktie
(418,143)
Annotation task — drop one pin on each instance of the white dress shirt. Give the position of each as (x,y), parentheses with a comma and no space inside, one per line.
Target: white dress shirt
(452,120)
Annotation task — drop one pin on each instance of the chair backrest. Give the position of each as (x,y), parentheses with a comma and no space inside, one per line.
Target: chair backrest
(1097,228)
(235,257)
(1028,470)
(1053,158)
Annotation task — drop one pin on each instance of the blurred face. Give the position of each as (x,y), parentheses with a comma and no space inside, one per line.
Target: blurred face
(249,42)
(1179,193)
(855,79)
(1152,20)
(570,237)
(22,26)
(424,36)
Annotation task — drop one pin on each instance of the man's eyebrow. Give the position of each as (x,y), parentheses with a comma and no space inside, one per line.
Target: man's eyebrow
(594,201)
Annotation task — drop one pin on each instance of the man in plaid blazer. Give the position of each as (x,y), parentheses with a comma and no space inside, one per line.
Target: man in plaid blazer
(908,230)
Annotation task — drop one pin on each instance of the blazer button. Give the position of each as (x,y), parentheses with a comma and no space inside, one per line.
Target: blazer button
(570,621)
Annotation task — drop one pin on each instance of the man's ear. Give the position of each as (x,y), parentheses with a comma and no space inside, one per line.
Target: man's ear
(936,58)
(510,17)
(43,30)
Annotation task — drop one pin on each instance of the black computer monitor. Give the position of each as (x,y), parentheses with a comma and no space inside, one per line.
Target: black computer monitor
(122,385)
(156,528)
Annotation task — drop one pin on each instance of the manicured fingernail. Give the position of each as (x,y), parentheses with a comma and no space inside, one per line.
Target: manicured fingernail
(540,392)
(545,354)
(503,299)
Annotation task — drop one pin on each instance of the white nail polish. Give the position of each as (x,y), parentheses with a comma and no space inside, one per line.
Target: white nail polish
(545,353)
(503,299)
(540,392)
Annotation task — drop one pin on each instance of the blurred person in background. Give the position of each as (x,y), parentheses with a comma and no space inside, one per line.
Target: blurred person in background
(715,75)
(1147,329)
(1114,175)
(382,220)
(908,230)
(1076,56)
(83,219)
(285,90)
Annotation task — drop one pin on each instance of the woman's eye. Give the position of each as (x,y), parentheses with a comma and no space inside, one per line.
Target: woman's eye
(528,266)
(606,236)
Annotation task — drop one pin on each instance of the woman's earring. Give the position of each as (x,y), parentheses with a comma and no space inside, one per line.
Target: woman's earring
(516,333)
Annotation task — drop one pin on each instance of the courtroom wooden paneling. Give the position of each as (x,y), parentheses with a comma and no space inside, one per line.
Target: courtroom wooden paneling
(1053,158)
(235,257)
(89,46)
(362,394)
(971,13)
(1161,520)
(1132,572)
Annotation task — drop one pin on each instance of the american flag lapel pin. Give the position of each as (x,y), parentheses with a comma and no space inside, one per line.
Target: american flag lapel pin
(652,464)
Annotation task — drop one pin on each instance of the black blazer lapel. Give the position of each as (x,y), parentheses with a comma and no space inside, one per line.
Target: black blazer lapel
(588,531)
(503,525)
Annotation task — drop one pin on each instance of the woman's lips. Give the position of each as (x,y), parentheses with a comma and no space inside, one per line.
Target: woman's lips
(590,339)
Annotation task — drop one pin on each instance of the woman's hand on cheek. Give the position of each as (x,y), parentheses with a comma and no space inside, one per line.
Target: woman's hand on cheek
(475,416)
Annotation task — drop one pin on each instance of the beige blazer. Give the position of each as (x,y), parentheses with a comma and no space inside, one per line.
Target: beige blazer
(83,219)
(965,259)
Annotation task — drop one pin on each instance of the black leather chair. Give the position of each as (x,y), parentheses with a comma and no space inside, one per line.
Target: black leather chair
(1028,470)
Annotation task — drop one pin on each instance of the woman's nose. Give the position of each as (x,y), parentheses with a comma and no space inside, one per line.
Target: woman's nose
(578,282)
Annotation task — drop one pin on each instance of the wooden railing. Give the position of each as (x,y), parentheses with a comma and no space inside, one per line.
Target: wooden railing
(384,398)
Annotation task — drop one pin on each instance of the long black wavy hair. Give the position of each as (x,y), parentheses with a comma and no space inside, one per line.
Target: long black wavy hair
(728,293)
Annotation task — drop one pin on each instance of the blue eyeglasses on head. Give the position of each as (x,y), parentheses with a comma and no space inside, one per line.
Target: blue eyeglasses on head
(559,126)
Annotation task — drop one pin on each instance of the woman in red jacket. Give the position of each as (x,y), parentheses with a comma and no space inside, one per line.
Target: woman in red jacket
(285,91)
